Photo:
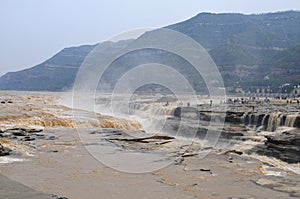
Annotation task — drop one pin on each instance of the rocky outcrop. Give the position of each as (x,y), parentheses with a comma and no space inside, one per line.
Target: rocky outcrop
(281,145)
(208,115)
(4,151)
(288,184)
(269,121)
(23,134)
(284,146)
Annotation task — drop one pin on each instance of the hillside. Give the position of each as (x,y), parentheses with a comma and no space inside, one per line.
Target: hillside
(245,38)
(56,73)
(282,68)
(250,50)
(285,66)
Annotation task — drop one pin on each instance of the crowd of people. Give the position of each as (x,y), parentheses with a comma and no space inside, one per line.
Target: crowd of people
(257,100)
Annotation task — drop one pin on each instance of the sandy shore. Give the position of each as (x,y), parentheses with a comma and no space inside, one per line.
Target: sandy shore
(63,166)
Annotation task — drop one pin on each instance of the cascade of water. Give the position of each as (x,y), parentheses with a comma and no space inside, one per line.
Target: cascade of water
(279,121)
(274,121)
(249,117)
(245,118)
(265,119)
(156,109)
(290,120)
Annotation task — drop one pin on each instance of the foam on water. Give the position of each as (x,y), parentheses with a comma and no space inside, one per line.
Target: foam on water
(7,160)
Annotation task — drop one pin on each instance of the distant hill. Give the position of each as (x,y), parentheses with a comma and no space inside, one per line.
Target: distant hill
(250,50)
(281,68)
(285,66)
(56,73)
(236,39)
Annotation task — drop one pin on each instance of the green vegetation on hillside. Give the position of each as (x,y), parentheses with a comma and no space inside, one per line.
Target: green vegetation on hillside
(251,51)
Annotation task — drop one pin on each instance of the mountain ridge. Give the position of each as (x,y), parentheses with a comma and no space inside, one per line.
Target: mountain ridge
(244,47)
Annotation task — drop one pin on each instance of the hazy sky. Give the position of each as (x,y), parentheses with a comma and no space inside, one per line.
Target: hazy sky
(34,30)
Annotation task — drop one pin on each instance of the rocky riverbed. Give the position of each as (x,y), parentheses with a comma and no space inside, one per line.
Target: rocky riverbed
(276,126)
(52,149)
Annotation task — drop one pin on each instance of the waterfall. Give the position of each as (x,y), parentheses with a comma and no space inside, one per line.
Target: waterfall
(253,119)
(290,120)
(154,108)
(245,118)
(275,120)
(279,121)
(249,118)
(265,120)
(270,122)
